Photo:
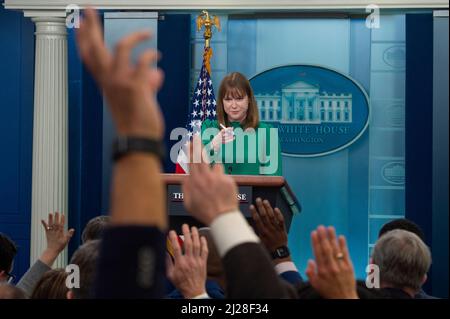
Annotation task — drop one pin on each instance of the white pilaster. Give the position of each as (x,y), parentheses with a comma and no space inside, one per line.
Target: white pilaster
(294,102)
(50,130)
(306,110)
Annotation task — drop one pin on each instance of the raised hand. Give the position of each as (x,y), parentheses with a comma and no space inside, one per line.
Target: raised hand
(130,89)
(331,274)
(208,192)
(57,237)
(269,224)
(188,271)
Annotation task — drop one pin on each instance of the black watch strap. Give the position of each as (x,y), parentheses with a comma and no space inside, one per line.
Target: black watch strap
(124,145)
(281,252)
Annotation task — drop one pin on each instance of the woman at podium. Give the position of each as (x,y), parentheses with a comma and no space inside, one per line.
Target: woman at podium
(237,138)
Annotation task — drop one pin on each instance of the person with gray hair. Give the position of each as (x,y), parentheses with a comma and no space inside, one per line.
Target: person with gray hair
(86,258)
(403,260)
(94,228)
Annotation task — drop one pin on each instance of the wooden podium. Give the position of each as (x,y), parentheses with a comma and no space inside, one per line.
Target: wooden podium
(273,188)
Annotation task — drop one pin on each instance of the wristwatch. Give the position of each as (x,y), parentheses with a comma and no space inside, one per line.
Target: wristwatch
(281,252)
(124,145)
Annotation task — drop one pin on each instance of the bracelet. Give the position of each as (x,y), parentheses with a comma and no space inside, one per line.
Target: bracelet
(125,145)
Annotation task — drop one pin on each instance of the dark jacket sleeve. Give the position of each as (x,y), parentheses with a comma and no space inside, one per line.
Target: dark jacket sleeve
(292,277)
(250,274)
(131,263)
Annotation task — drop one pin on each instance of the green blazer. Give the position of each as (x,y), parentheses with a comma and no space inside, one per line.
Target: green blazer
(245,155)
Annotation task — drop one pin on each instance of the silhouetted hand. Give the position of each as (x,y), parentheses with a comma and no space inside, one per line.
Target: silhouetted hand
(208,192)
(130,89)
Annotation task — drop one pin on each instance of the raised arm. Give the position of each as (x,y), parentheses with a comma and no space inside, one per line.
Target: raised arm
(270,225)
(132,255)
(57,240)
(331,274)
(188,269)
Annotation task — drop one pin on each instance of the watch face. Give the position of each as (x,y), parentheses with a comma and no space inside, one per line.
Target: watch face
(281,252)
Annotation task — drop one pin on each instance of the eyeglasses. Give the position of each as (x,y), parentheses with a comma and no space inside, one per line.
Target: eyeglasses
(11,277)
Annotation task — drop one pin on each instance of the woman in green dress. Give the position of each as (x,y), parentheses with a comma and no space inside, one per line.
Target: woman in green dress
(237,138)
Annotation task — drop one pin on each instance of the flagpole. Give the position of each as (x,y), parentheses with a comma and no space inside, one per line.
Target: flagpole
(208,21)
(203,99)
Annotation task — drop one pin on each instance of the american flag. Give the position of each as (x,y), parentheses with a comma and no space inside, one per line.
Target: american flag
(203,107)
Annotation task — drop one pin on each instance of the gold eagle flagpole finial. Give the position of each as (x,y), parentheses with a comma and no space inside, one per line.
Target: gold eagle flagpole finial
(204,19)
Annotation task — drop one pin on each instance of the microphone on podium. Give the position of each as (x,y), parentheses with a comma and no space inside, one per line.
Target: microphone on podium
(230,169)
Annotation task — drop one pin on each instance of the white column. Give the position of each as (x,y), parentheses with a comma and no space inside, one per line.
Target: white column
(50,130)
(350,111)
(327,110)
(294,107)
(275,110)
(333,110)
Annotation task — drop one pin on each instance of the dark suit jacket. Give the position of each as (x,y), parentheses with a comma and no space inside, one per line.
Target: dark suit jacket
(212,288)
(131,263)
(423,295)
(292,277)
(394,293)
(250,274)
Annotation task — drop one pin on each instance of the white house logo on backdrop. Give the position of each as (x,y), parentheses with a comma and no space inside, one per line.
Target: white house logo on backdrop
(302,102)
(395,115)
(395,56)
(318,111)
(394,173)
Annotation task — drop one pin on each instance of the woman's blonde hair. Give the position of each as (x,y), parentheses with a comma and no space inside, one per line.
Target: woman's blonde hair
(236,85)
(52,285)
